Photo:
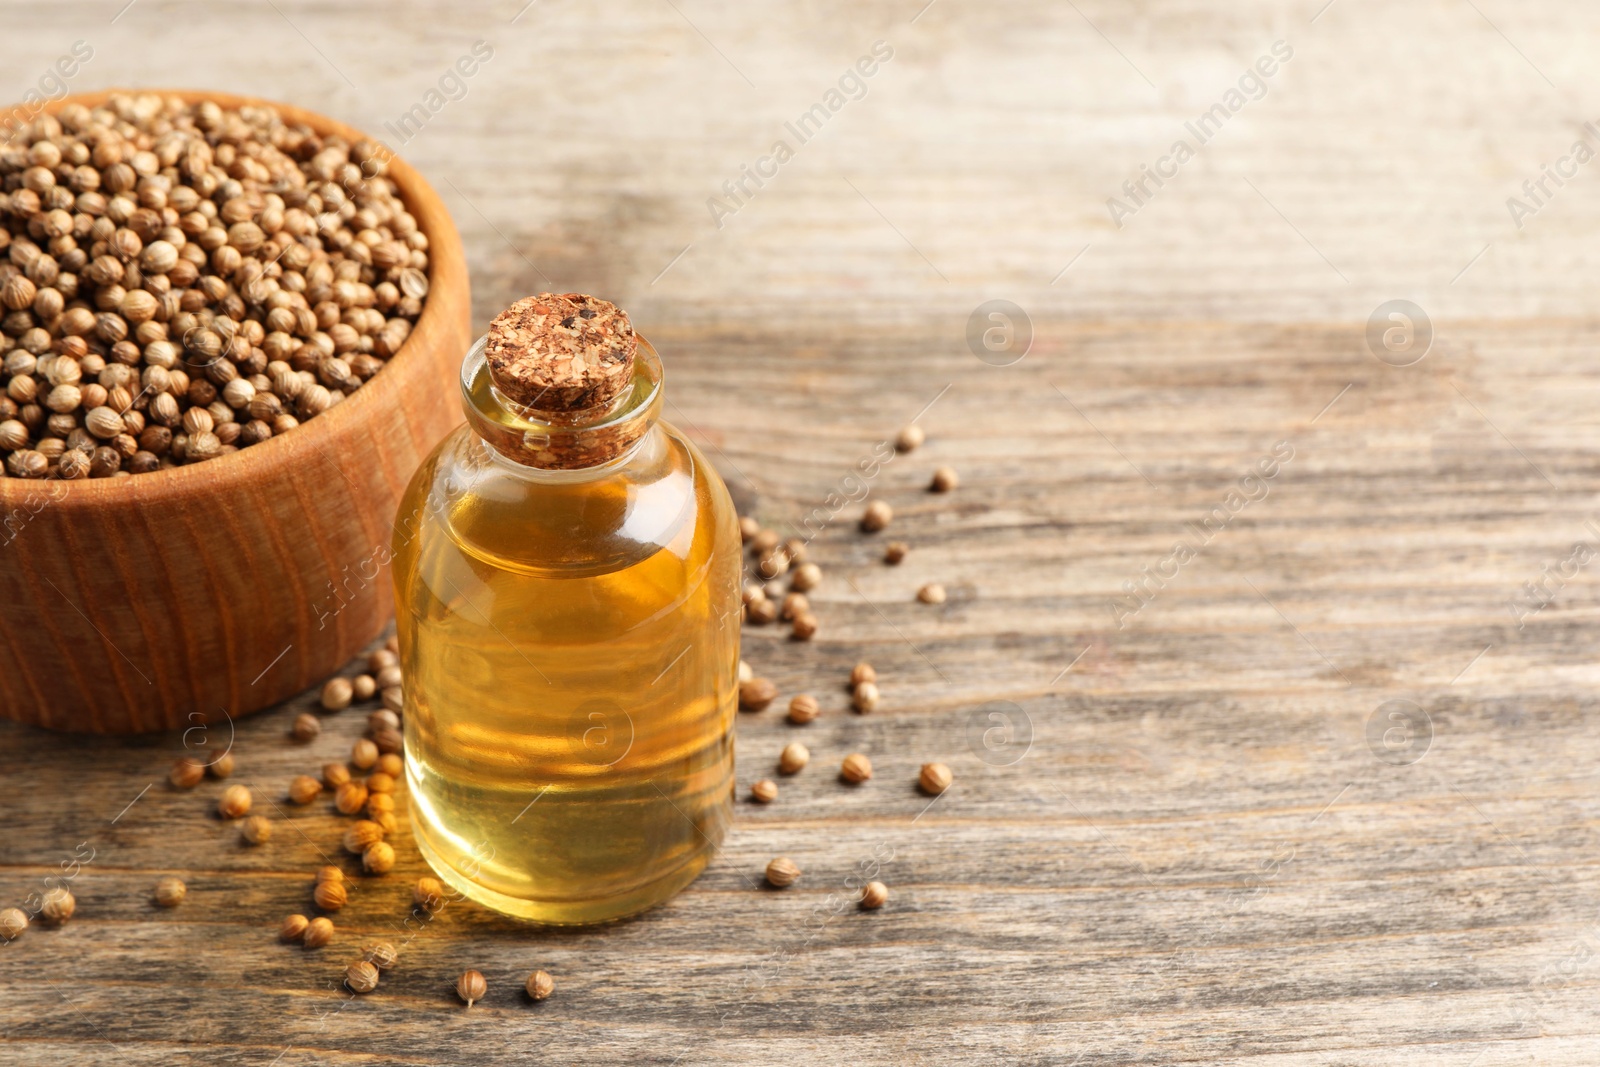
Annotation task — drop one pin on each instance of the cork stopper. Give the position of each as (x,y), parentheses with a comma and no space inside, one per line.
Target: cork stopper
(561,352)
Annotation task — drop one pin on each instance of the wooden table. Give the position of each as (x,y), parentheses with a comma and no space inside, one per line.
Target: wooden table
(1327,797)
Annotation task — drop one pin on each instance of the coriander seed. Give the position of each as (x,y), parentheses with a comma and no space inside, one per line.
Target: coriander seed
(169,892)
(304,789)
(350,798)
(380,659)
(392,764)
(428,894)
(330,896)
(761,611)
(877,516)
(337,694)
(293,927)
(794,605)
(385,819)
(379,803)
(756,694)
(383,719)
(764,791)
(360,835)
(57,906)
(944,480)
(471,987)
(318,932)
(807,577)
(378,782)
(381,954)
(932,593)
(934,779)
(361,977)
(378,858)
(12,922)
(745,673)
(764,541)
(306,727)
(388,740)
(540,985)
(793,758)
(855,769)
(862,672)
(909,438)
(256,830)
(393,698)
(364,754)
(874,895)
(186,773)
(330,873)
(389,677)
(363,686)
(865,698)
(234,802)
(221,767)
(894,552)
(805,627)
(803,708)
(782,872)
(334,775)
(748,528)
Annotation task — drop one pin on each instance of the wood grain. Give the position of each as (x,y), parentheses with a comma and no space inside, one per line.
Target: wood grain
(1198,858)
(217,589)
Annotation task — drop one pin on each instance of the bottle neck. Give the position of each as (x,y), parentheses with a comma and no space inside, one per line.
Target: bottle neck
(592,440)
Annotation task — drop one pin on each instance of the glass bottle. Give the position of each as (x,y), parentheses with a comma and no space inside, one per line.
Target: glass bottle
(567,595)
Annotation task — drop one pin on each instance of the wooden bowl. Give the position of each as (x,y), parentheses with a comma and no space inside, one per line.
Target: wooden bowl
(214,590)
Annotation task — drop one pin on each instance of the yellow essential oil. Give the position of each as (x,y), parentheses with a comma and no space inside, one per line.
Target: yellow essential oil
(569,637)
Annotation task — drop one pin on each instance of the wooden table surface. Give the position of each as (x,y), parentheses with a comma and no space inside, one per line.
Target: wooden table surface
(1323,792)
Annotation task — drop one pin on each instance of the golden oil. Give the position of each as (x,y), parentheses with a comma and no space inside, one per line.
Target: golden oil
(570,642)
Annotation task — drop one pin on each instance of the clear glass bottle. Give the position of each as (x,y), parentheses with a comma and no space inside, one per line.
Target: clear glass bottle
(569,637)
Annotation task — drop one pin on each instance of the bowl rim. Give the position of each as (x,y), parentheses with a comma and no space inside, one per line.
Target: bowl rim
(247,466)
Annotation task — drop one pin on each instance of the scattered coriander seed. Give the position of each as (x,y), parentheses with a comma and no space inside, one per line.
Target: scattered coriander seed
(378,782)
(389,677)
(330,873)
(909,438)
(350,798)
(337,694)
(319,931)
(378,858)
(874,895)
(932,593)
(394,698)
(57,906)
(306,727)
(361,977)
(803,708)
(764,541)
(385,819)
(362,687)
(745,673)
(807,577)
(381,954)
(865,699)
(304,789)
(862,672)
(379,803)
(12,922)
(186,773)
(782,872)
(381,658)
(234,802)
(330,896)
(383,719)
(392,764)
(540,985)
(795,549)
(760,612)
(748,528)
(855,769)
(793,758)
(364,754)
(794,605)
(360,835)
(169,892)
(804,627)
(388,740)
(428,894)
(393,644)
(877,516)
(764,791)
(756,694)
(934,779)
(944,480)
(894,552)
(334,775)
(471,987)
(221,767)
(257,830)
(293,927)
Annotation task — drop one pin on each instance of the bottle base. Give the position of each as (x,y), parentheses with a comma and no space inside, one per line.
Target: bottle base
(569,912)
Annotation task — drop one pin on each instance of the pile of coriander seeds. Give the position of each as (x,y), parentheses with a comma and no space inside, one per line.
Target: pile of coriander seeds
(181,281)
